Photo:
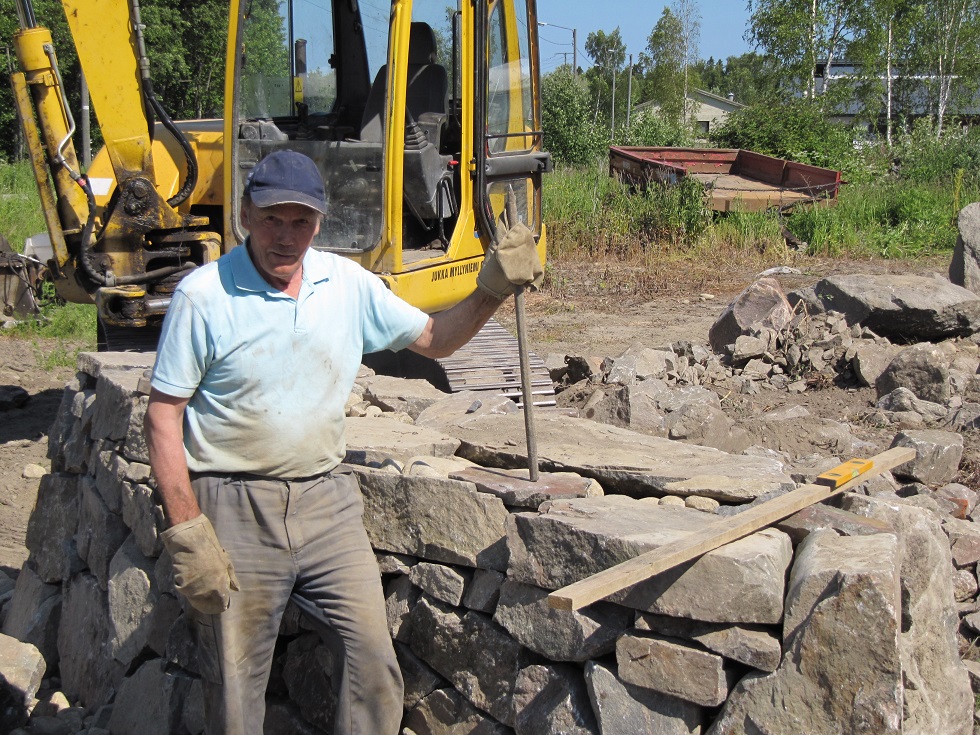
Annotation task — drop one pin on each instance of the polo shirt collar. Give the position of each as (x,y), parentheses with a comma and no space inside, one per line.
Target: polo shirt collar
(248,278)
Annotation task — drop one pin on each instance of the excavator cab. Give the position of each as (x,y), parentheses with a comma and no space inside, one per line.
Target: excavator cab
(420,116)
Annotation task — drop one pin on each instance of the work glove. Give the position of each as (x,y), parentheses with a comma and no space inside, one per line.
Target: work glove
(203,573)
(512,263)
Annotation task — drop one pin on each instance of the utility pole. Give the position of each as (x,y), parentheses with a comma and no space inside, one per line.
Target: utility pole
(629,94)
(574,43)
(612,132)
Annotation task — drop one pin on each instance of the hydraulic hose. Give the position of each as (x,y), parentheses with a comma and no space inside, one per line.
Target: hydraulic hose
(191,179)
(108,279)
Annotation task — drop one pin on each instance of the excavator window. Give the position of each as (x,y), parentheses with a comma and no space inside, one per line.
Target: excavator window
(313,77)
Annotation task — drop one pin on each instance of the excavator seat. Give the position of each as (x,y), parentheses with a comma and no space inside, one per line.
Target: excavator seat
(428,181)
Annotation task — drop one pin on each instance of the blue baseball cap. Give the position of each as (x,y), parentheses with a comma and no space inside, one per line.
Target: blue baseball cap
(286,177)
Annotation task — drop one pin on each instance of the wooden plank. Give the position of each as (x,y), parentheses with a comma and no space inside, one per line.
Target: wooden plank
(721,532)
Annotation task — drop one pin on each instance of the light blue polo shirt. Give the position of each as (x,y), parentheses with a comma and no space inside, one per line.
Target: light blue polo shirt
(268,375)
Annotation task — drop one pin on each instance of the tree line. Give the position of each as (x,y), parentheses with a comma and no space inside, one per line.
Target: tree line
(884,63)
(887,61)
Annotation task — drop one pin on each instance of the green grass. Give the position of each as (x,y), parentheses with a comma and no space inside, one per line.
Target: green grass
(71,326)
(590,215)
(20,207)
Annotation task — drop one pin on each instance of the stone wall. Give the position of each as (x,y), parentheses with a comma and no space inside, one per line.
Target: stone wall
(838,620)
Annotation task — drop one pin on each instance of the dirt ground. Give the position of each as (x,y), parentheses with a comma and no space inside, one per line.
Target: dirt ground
(591,311)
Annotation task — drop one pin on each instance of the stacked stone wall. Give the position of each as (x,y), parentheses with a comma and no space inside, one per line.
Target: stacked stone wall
(839,620)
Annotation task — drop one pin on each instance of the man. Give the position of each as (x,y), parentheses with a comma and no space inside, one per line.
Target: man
(258,355)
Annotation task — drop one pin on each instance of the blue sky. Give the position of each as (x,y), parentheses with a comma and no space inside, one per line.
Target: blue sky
(723,23)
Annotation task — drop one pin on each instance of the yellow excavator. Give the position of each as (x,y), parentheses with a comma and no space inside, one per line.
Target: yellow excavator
(420,114)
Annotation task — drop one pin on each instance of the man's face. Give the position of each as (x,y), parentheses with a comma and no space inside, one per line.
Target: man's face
(280,235)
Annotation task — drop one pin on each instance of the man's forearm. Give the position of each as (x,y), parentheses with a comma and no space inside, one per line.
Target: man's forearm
(449,330)
(163,427)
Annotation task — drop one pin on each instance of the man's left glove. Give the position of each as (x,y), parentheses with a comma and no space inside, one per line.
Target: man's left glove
(202,570)
(513,263)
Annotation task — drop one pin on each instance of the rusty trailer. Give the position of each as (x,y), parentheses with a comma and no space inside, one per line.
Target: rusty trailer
(735,179)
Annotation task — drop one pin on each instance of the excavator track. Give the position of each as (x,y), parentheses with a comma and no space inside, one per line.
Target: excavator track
(491,362)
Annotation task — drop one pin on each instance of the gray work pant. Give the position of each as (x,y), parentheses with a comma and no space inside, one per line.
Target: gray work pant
(305,541)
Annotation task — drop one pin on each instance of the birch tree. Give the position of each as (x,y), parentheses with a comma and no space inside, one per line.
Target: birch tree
(801,33)
(688,14)
(948,45)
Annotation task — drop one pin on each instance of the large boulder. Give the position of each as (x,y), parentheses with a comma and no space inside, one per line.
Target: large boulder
(842,670)
(903,307)
(964,270)
(922,368)
(762,304)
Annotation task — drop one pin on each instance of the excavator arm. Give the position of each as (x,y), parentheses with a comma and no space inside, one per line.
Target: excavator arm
(122,237)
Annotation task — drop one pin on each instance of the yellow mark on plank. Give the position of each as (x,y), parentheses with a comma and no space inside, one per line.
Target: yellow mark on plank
(844,472)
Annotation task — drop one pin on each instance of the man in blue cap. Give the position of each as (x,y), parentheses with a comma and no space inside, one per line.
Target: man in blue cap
(244,426)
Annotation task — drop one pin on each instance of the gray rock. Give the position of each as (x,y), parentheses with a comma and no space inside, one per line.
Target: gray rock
(446,712)
(559,635)
(624,709)
(800,525)
(673,667)
(707,426)
(372,441)
(13,396)
(483,591)
(964,541)
(903,307)
(438,520)
(620,370)
(516,491)
(100,532)
(88,670)
(310,670)
(132,599)
(964,585)
(753,646)
(936,685)
(841,671)
(870,361)
(762,304)
(964,269)
(21,671)
(965,418)
(398,394)
(116,391)
(150,702)
(94,364)
(937,455)
(52,524)
(923,369)
(461,406)
(394,563)
(741,582)
(144,517)
(552,698)
(400,597)
(799,437)
(110,469)
(440,582)
(962,498)
(902,400)
(420,679)
(652,363)
(621,460)
(472,652)
(34,613)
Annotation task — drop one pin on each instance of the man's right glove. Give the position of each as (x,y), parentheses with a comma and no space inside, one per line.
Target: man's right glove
(512,263)
(203,573)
